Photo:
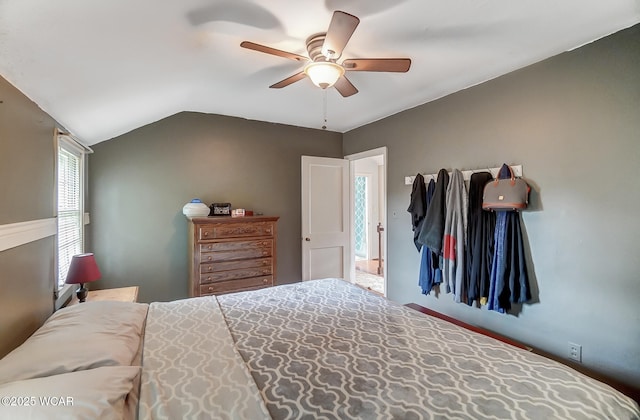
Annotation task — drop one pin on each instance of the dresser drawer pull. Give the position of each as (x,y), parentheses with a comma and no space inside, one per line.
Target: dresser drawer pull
(265,243)
(209,278)
(265,252)
(265,281)
(268,230)
(265,271)
(205,233)
(210,268)
(209,258)
(265,262)
(210,288)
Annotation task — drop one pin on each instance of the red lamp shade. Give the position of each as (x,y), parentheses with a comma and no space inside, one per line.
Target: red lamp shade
(83,269)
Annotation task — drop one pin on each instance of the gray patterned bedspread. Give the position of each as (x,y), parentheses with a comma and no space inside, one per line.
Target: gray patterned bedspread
(190,368)
(328,349)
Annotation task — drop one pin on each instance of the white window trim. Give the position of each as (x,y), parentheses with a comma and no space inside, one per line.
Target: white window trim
(62,294)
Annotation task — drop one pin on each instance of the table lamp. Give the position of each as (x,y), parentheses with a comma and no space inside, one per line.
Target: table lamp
(83,269)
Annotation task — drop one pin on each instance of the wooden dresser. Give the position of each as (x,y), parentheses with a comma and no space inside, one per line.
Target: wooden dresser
(231,254)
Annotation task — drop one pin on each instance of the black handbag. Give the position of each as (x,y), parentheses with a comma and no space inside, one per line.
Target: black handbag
(506,194)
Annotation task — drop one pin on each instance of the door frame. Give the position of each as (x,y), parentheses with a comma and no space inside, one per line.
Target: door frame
(352,176)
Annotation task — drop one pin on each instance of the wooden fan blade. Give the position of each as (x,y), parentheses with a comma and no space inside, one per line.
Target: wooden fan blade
(268,50)
(340,30)
(289,80)
(400,65)
(345,87)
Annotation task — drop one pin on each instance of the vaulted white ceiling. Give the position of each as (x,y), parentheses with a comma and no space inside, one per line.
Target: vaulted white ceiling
(103,68)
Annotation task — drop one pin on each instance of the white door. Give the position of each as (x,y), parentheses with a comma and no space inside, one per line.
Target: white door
(325,218)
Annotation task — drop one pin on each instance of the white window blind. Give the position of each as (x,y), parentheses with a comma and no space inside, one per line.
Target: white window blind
(70,206)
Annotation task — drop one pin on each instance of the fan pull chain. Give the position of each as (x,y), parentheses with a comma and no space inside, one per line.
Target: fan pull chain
(324,108)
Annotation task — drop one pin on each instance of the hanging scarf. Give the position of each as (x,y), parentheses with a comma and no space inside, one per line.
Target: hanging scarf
(455,229)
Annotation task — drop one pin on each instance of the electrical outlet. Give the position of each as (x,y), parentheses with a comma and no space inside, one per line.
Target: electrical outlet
(575,352)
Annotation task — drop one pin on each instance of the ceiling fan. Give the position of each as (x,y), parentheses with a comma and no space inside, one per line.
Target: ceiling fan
(324,50)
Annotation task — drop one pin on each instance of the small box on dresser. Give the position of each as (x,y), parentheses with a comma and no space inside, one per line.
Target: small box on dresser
(231,254)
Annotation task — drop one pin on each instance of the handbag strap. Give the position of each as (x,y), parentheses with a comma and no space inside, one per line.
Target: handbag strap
(513,177)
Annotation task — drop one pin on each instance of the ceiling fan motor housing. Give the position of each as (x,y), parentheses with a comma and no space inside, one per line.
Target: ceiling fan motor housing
(314,48)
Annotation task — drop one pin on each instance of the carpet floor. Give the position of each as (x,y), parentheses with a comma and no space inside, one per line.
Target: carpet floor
(370,281)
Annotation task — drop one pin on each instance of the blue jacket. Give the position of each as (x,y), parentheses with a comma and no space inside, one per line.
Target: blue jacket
(509,281)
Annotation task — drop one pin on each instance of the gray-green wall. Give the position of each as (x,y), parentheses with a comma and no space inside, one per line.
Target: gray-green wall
(139,182)
(26,194)
(573,122)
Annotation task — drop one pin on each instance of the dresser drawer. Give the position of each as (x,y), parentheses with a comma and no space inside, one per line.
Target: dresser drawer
(235,265)
(235,245)
(213,257)
(236,285)
(243,273)
(235,230)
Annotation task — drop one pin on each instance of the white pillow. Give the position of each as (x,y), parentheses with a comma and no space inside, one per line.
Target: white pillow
(89,394)
(84,336)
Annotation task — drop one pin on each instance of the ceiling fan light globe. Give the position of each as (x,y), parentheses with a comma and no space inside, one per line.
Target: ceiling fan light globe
(324,74)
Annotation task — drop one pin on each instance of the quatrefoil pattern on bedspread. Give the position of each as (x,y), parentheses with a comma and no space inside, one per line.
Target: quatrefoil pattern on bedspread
(191,369)
(327,349)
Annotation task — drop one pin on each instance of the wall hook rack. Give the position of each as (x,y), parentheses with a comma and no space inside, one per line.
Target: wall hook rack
(517,171)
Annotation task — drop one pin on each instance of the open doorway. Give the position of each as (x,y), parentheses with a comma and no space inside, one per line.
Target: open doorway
(368,204)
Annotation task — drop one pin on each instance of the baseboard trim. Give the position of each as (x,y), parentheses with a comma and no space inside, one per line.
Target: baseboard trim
(16,234)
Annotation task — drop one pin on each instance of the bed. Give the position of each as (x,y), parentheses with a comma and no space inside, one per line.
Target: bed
(317,349)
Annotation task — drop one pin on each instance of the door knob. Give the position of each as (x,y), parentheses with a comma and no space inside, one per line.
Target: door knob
(307,239)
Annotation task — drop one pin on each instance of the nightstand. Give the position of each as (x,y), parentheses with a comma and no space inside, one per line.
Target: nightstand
(122,294)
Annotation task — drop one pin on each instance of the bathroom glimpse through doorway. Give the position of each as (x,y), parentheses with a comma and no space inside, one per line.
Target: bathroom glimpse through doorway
(369,218)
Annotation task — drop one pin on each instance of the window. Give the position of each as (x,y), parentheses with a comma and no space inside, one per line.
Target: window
(70,187)
(361,221)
